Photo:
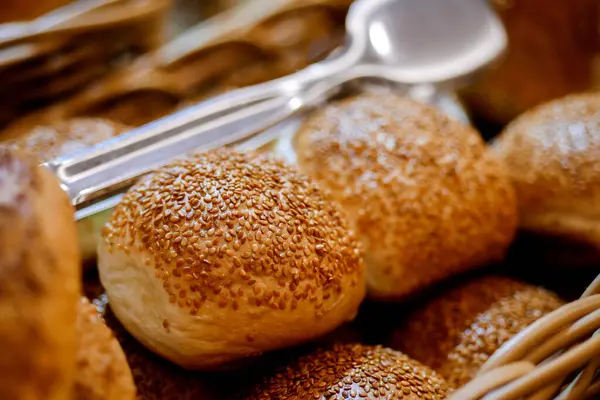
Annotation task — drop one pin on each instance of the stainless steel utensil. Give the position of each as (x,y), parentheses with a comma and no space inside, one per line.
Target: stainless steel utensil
(410,42)
(18,32)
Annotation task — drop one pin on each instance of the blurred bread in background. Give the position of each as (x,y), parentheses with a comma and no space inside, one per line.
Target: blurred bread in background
(552,47)
(552,154)
(102,371)
(46,142)
(39,282)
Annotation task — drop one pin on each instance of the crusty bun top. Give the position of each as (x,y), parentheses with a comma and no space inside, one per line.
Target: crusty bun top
(352,372)
(39,282)
(553,157)
(234,238)
(219,221)
(459,330)
(425,196)
(62,138)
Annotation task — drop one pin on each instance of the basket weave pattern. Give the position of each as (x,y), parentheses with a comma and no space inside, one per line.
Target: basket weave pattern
(246,47)
(61,52)
(557,357)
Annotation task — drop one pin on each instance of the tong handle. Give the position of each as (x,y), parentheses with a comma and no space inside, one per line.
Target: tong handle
(221,121)
(14,33)
(228,119)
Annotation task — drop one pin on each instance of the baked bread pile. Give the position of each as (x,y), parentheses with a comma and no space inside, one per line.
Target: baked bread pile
(222,260)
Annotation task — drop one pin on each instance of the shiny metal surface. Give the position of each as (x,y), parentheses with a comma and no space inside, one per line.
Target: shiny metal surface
(53,22)
(411,43)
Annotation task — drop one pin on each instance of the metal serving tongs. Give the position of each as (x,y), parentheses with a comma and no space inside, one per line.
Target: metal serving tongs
(433,42)
(13,33)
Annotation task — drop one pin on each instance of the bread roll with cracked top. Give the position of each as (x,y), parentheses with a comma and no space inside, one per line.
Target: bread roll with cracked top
(62,138)
(351,372)
(39,282)
(456,332)
(424,195)
(102,369)
(552,154)
(225,255)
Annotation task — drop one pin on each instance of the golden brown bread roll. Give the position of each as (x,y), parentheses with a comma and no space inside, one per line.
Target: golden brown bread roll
(552,154)
(47,142)
(225,255)
(102,369)
(50,141)
(39,283)
(352,371)
(424,195)
(552,45)
(456,332)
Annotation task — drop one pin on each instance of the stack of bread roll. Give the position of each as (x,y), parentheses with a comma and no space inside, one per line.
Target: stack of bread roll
(221,257)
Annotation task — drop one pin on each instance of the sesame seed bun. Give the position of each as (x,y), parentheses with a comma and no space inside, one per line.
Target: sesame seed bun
(225,255)
(352,371)
(552,153)
(47,142)
(102,370)
(424,195)
(39,282)
(456,332)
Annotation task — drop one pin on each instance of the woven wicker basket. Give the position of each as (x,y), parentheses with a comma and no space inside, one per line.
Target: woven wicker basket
(62,51)
(248,45)
(557,357)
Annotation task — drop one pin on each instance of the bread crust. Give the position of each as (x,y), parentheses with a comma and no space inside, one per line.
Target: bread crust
(424,195)
(102,369)
(47,142)
(552,154)
(39,282)
(226,255)
(351,372)
(456,332)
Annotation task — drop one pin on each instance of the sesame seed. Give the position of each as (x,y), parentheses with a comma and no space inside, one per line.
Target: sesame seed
(348,371)
(240,228)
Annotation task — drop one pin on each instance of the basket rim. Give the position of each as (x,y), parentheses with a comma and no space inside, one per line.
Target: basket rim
(564,366)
